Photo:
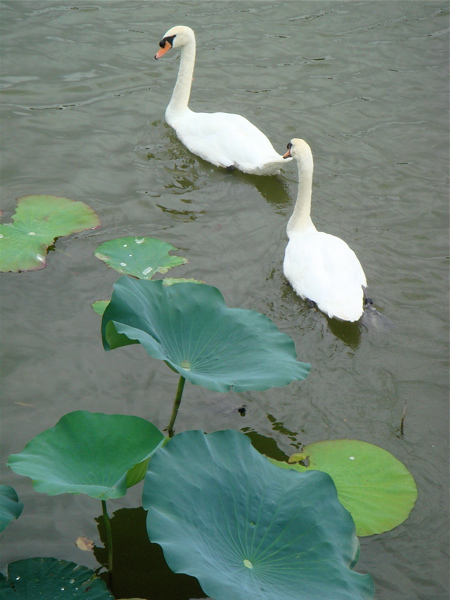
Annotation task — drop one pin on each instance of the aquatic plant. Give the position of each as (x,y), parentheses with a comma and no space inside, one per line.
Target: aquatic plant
(51,578)
(246,529)
(37,222)
(10,507)
(141,257)
(88,453)
(376,488)
(191,329)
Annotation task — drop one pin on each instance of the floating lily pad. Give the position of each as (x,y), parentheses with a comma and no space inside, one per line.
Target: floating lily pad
(51,578)
(375,487)
(80,455)
(172,280)
(140,257)
(190,327)
(37,222)
(246,529)
(10,507)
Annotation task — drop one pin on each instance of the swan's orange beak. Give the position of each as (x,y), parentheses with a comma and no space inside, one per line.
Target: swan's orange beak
(288,154)
(167,46)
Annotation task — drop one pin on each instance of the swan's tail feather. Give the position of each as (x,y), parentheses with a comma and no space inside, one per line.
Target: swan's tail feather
(270,168)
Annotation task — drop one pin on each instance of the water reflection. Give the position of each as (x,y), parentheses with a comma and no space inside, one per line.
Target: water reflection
(140,570)
(274,189)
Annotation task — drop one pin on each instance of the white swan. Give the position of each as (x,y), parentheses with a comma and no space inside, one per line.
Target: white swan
(320,267)
(223,139)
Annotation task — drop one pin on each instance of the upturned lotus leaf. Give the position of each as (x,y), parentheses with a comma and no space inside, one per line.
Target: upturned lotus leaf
(190,327)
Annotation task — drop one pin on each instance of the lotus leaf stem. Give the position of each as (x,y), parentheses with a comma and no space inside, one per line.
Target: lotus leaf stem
(176,405)
(109,544)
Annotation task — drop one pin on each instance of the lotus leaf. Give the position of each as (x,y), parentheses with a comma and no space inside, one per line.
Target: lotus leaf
(375,487)
(223,514)
(10,507)
(50,578)
(140,257)
(87,453)
(190,327)
(37,221)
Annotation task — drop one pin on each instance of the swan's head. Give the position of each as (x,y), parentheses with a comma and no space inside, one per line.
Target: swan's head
(174,38)
(299,150)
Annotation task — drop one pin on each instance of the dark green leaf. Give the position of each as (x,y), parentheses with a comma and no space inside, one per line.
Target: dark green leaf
(51,579)
(190,327)
(87,453)
(10,507)
(246,529)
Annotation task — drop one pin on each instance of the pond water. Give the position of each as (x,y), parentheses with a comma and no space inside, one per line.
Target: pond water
(365,83)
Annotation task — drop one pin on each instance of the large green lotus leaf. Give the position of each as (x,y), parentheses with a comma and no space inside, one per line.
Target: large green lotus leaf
(37,221)
(87,453)
(375,487)
(140,257)
(10,507)
(51,579)
(247,529)
(190,327)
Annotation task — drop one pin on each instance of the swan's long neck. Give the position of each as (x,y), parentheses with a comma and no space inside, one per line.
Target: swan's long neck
(182,90)
(301,217)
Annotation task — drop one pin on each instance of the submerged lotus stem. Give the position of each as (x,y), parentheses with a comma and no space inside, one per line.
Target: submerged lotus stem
(109,545)
(176,405)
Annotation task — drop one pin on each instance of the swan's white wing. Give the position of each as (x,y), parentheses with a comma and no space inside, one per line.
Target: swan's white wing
(323,268)
(227,140)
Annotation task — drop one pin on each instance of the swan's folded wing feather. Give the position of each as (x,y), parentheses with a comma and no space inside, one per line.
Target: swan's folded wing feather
(225,140)
(323,268)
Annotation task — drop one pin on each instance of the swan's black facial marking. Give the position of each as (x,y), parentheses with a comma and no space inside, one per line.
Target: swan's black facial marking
(169,39)
(288,153)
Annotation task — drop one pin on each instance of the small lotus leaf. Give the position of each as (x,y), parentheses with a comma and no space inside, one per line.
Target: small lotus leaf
(190,327)
(375,487)
(140,257)
(223,514)
(87,453)
(37,221)
(99,306)
(51,579)
(10,507)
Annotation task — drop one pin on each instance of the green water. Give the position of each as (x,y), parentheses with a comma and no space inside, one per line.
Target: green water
(365,83)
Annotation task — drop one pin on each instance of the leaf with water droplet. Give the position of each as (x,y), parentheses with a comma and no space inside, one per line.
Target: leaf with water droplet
(139,257)
(37,222)
(51,578)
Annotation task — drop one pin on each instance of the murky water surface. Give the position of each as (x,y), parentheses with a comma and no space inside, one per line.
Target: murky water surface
(365,83)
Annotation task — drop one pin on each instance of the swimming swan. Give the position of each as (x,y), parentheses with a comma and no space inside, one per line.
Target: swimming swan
(223,139)
(320,267)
